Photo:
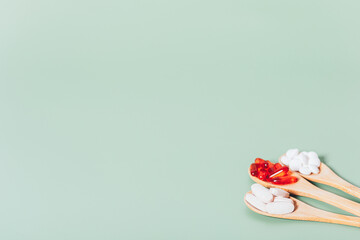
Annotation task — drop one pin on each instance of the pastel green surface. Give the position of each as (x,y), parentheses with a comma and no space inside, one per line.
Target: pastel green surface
(138,119)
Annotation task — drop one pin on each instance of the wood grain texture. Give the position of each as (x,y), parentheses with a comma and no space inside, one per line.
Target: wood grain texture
(328,177)
(306,212)
(304,188)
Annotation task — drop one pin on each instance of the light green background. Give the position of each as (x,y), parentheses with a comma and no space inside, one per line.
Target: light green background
(138,119)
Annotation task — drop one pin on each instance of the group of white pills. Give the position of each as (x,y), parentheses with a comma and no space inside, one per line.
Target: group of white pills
(303,162)
(273,200)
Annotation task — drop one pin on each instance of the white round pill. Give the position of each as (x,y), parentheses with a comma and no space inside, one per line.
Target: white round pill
(314,161)
(295,164)
(254,201)
(303,158)
(313,155)
(285,160)
(279,192)
(262,193)
(305,170)
(280,207)
(314,169)
(291,153)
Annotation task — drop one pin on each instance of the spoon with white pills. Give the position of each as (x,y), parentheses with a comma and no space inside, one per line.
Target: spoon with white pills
(326,176)
(306,212)
(304,188)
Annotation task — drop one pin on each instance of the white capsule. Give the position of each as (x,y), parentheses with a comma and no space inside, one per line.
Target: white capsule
(254,201)
(291,153)
(305,170)
(280,207)
(314,169)
(279,192)
(262,193)
(313,155)
(285,160)
(295,164)
(314,161)
(282,199)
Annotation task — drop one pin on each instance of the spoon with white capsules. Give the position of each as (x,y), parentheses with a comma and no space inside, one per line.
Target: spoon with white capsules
(328,177)
(304,188)
(306,212)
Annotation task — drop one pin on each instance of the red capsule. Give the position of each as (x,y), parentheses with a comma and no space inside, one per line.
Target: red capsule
(280,172)
(263,175)
(269,166)
(260,160)
(260,166)
(253,170)
(284,180)
(277,166)
(270,172)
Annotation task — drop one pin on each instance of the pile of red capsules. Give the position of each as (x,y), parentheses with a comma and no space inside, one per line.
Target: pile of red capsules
(270,172)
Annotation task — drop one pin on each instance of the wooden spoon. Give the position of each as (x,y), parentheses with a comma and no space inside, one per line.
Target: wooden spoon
(306,212)
(328,177)
(304,188)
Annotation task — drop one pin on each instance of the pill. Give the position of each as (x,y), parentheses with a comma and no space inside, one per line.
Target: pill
(303,158)
(295,164)
(280,172)
(279,192)
(277,166)
(285,160)
(312,155)
(264,169)
(270,166)
(305,170)
(284,180)
(254,201)
(262,193)
(253,170)
(314,161)
(282,199)
(314,169)
(291,153)
(260,160)
(263,174)
(280,207)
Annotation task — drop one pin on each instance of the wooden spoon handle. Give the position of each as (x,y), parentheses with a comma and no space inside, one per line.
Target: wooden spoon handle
(309,213)
(335,200)
(328,177)
(339,219)
(339,183)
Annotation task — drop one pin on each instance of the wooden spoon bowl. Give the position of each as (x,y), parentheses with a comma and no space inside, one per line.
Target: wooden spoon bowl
(306,212)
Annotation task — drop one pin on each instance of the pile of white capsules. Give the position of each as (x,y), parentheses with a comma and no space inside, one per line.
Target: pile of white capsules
(273,200)
(304,162)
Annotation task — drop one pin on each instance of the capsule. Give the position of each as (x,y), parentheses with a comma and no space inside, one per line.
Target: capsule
(284,180)
(263,174)
(260,160)
(253,170)
(280,172)
(277,166)
(268,164)
(269,167)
